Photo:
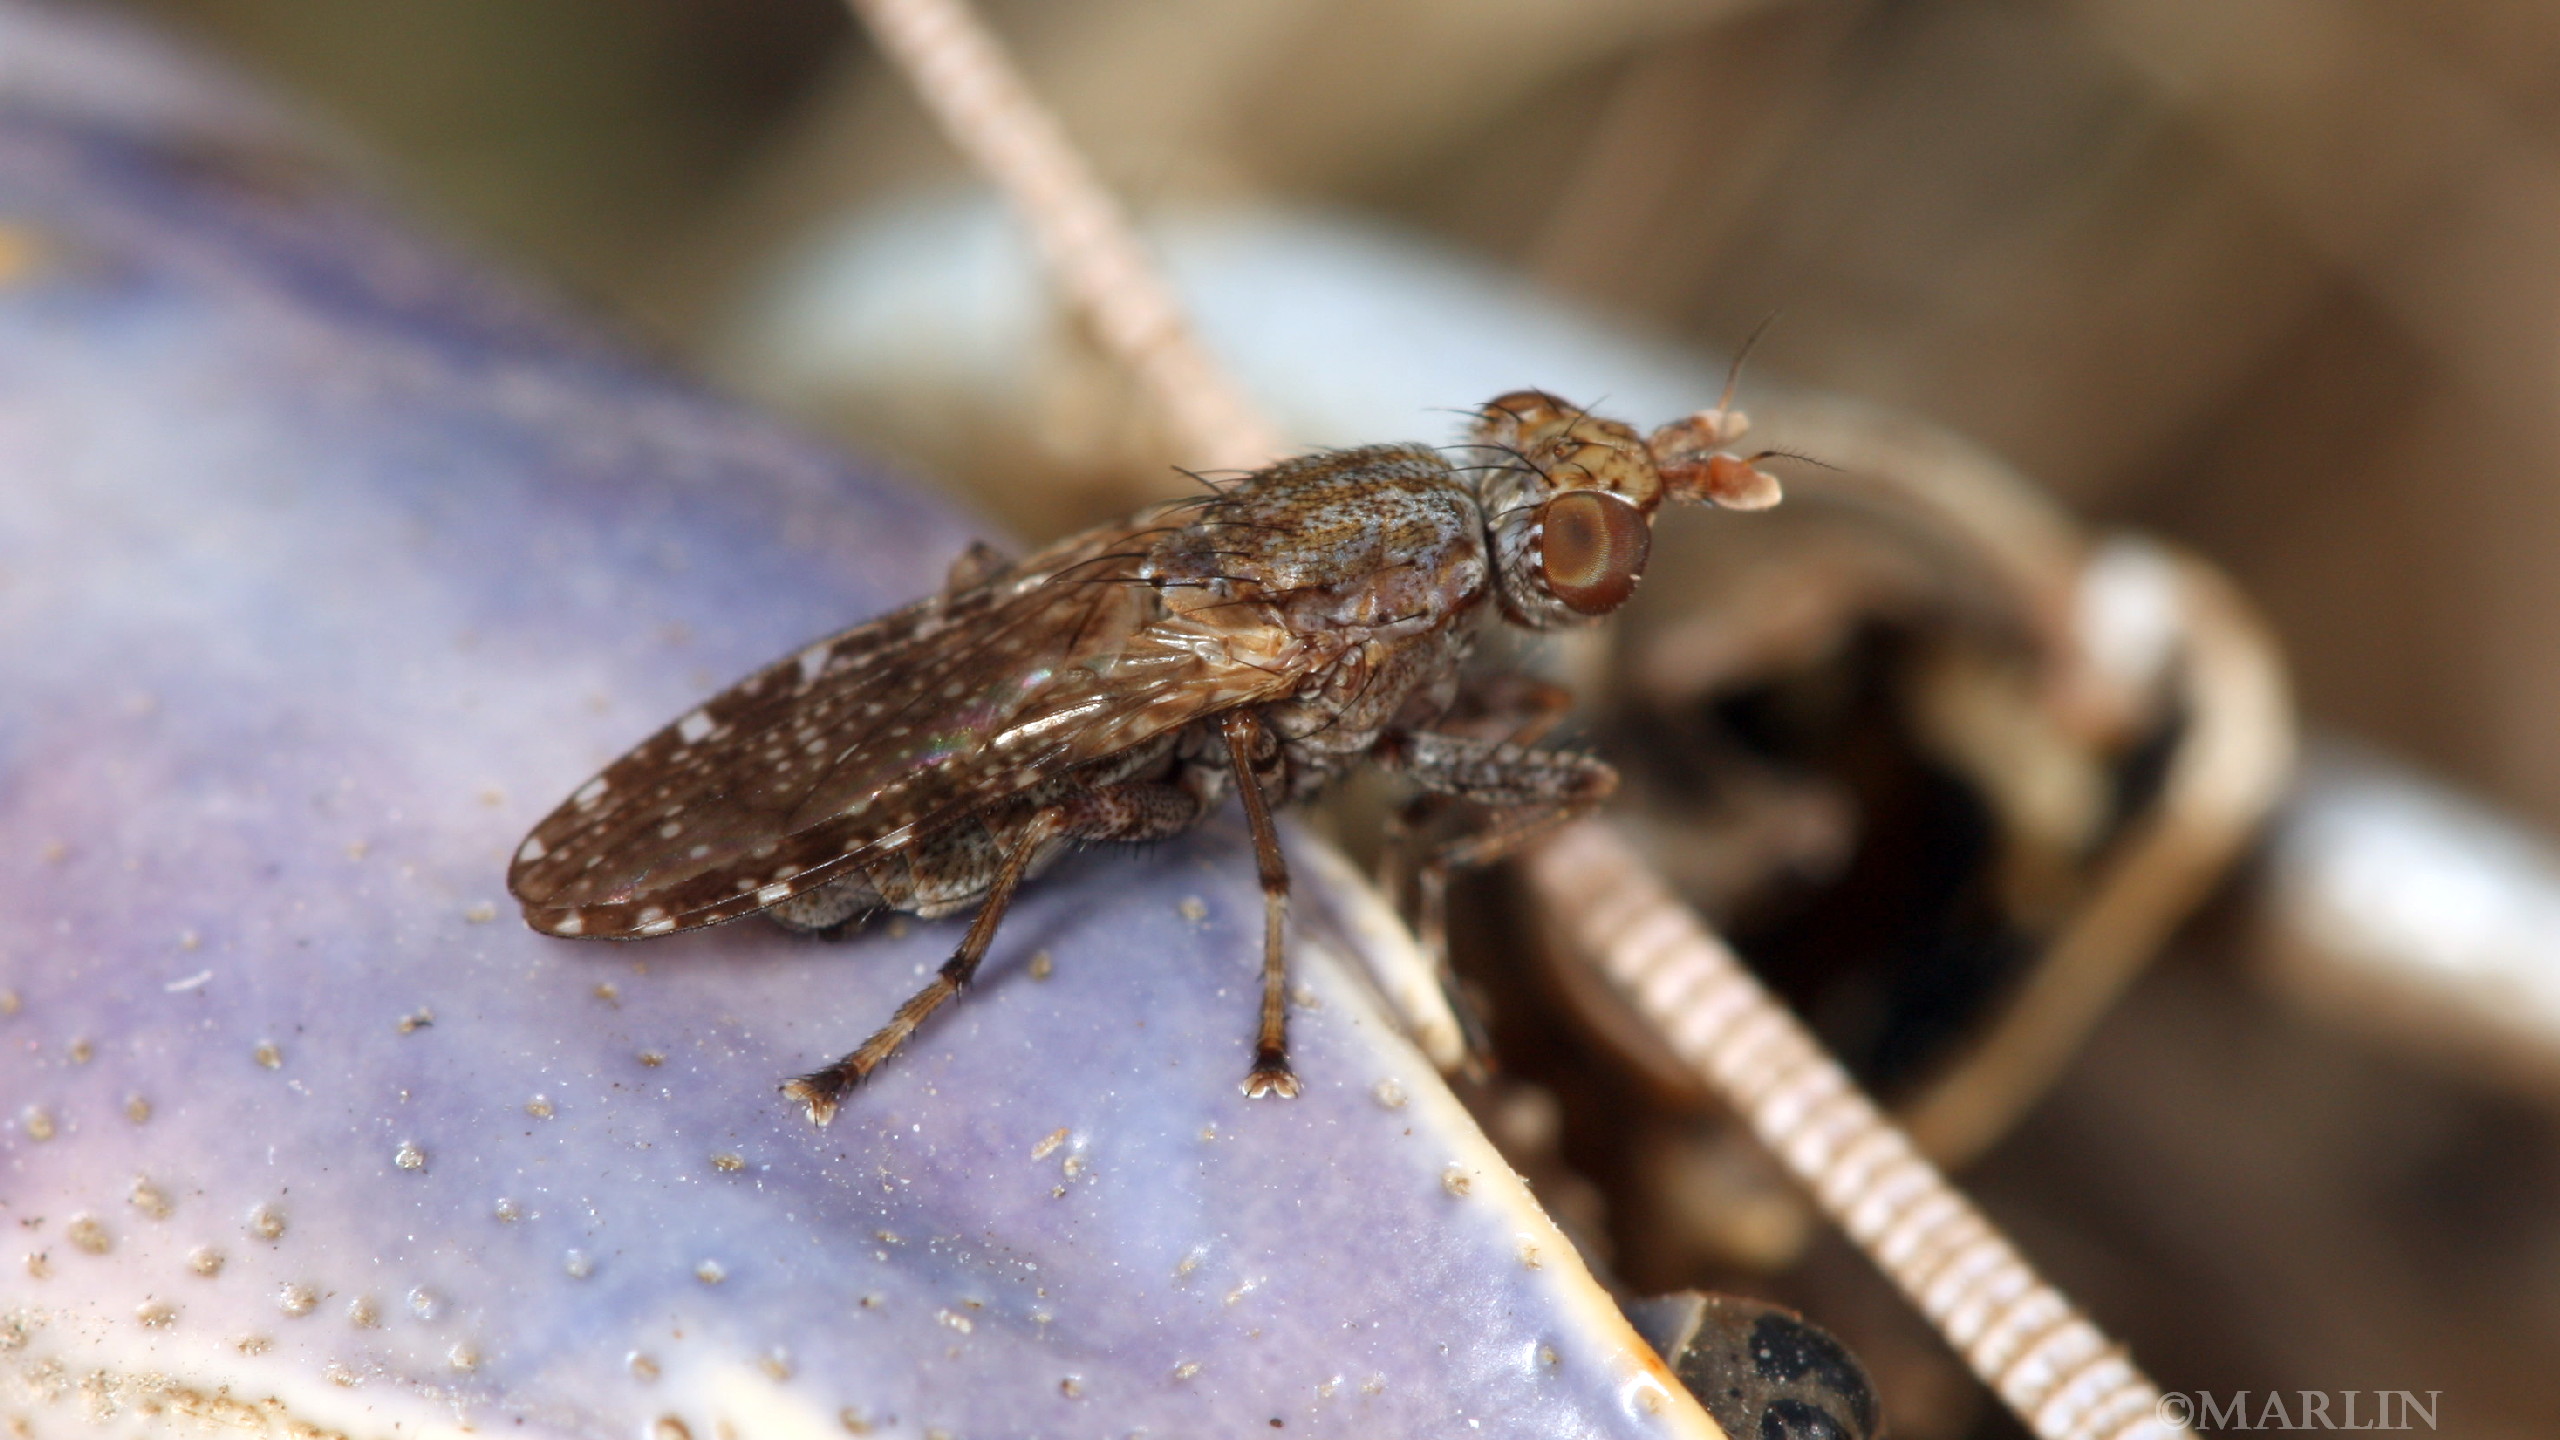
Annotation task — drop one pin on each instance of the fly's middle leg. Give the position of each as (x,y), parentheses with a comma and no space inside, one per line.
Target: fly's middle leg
(1246,742)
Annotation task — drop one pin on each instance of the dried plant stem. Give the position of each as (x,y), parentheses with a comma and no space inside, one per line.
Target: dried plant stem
(982,104)
(2045,1360)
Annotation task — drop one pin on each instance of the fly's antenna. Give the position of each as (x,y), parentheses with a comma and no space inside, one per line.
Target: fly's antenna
(1729,423)
(1756,456)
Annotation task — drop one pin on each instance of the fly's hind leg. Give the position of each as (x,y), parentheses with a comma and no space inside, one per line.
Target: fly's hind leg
(821,1090)
(1135,811)
(1270,1075)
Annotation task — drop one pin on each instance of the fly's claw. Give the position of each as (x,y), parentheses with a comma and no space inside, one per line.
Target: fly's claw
(819,1093)
(1271,1076)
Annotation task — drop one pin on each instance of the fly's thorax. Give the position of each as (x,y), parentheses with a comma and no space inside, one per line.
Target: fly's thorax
(1341,709)
(1327,522)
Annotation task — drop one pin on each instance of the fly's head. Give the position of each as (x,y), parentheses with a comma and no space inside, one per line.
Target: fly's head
(1571,496)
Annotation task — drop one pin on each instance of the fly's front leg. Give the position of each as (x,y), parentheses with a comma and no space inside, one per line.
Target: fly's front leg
(1511,709)
(1527,793)
(1246,741)
(1135,811)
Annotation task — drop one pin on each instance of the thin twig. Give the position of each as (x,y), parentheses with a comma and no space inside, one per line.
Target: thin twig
(2046,1360)
(1093,253)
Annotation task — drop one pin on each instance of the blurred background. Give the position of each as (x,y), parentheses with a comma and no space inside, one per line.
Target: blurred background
(2274,280)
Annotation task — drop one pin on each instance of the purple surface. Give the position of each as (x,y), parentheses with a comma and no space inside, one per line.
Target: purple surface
(324,569)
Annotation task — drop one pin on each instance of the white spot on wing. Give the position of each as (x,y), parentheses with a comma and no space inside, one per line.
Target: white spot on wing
(770,894)
(572,923)
(589,793)
(693,727)
(533,849)
(813,663)
(657,927)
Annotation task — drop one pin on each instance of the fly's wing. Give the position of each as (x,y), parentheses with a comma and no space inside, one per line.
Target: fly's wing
(863,741)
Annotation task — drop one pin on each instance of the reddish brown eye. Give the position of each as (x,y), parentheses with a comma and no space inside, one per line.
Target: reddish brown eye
(1592,549)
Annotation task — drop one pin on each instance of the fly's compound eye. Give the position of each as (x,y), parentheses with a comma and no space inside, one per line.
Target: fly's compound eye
(1591,550)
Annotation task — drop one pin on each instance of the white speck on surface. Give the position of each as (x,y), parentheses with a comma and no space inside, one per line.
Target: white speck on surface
(577,1264)
(196,981)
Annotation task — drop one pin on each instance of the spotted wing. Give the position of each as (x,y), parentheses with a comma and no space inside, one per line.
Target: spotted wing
(858,744)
